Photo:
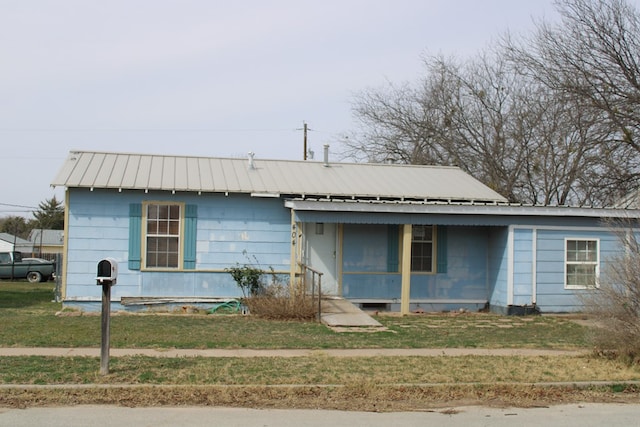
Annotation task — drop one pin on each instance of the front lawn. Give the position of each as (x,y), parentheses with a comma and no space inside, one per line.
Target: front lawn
(29,318)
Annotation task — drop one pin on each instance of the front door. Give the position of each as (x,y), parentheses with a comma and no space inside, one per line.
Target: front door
(321,246)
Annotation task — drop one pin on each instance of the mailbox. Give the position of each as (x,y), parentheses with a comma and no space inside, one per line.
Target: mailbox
(107,272)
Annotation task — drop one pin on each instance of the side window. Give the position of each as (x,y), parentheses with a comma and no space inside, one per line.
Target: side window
(163,235)
(582,259)
(422,242)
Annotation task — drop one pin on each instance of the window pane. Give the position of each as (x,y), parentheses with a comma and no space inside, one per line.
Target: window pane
(152,212)
(163,228)
(172,244)
(172,260)
(162,259)
(581,275)
(592,251)
(163,211)
(416,249)
(174,227)
(174,212)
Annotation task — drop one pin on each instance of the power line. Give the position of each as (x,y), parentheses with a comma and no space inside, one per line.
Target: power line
(18,206)
(25,130)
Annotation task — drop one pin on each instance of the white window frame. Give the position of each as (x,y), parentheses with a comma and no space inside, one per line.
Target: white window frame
(147,235)
(595,263)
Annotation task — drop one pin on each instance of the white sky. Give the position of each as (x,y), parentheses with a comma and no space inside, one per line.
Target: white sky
(210,77)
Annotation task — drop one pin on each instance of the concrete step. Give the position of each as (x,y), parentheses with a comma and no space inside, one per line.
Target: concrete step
(340,312)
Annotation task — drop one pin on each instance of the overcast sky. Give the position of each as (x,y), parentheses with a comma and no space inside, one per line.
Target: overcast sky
(210,77)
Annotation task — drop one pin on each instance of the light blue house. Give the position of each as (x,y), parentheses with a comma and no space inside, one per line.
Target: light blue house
(394,237)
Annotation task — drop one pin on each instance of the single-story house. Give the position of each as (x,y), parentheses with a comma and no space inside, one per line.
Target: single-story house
(384,236)
(46,241)
(10,243)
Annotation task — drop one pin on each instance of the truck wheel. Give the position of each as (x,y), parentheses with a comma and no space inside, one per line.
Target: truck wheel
(34,277)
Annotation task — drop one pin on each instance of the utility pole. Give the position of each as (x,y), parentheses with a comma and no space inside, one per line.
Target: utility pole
(304,156)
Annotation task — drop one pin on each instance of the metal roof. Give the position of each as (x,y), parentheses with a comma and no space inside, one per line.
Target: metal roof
(259,177)
(46,237)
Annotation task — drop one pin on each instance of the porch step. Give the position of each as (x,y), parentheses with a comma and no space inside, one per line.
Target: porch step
(338,312)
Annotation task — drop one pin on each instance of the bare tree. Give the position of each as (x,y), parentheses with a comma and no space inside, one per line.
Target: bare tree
(501,126)
(547,120)
(592,56)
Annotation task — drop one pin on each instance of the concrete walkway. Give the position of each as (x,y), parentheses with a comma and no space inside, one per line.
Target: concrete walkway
(338,312)
(406,352)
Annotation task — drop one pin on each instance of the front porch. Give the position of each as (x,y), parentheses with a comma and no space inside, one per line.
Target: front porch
(384,267)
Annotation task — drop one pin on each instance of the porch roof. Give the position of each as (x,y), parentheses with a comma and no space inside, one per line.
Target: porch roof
(458,209)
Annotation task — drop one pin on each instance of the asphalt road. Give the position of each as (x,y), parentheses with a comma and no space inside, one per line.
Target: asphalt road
(105,416)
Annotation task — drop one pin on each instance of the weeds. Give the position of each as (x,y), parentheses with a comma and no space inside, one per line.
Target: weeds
(615,304)
(282,302)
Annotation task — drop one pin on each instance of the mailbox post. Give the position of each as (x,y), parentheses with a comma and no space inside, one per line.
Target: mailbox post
(107,277)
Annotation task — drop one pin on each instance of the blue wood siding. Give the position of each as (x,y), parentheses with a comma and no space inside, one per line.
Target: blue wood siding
(230,230)
(365,261)
(522,266)
(550,268)
(498,266)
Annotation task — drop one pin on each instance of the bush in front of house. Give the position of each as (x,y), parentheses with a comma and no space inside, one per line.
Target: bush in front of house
(276,300)
(615,305)
(248,278)
(282,302)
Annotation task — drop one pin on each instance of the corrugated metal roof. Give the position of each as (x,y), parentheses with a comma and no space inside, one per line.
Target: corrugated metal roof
(124,171)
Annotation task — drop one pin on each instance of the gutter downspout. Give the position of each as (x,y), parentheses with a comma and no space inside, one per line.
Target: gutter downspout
(534,264)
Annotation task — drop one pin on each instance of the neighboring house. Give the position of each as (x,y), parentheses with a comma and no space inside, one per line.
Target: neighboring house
(9,242)
(47,241)
(395,237)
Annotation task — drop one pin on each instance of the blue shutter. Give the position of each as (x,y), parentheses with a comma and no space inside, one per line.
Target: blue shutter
(135,235)
(441,248)
(190,234)
(393,248)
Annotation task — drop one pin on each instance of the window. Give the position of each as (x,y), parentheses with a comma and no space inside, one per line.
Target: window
(163,235)
(582,261)
(422,248)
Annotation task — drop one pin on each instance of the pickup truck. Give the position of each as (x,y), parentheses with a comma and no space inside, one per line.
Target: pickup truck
(14,266)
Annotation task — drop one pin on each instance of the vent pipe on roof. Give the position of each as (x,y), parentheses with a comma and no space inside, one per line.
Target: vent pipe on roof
(326,155)
(252,164)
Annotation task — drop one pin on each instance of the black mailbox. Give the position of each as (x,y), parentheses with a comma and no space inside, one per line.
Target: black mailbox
(107,272)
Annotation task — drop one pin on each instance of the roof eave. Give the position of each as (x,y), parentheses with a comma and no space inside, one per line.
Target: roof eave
(488,208)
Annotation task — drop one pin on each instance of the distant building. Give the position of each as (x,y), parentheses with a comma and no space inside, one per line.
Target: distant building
(9,243)
(47,241)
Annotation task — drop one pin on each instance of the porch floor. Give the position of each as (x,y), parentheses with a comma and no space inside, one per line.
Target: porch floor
(340,312)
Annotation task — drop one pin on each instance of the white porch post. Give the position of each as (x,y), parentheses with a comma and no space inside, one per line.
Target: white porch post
(295,244)
(406,269)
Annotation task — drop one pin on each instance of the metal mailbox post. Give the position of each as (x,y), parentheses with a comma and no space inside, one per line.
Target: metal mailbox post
(107,276)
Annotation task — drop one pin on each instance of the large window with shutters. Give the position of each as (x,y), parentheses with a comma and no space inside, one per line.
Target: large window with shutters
(163,235)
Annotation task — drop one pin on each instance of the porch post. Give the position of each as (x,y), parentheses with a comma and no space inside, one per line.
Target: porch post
(406,269)
(293,267)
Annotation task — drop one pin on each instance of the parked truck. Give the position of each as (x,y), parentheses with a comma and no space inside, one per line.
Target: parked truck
(14,266)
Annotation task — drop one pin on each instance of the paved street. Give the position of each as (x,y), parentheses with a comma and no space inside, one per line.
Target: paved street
(105,416)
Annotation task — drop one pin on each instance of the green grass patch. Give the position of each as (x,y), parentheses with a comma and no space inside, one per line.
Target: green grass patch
(28,318)
(319,369)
